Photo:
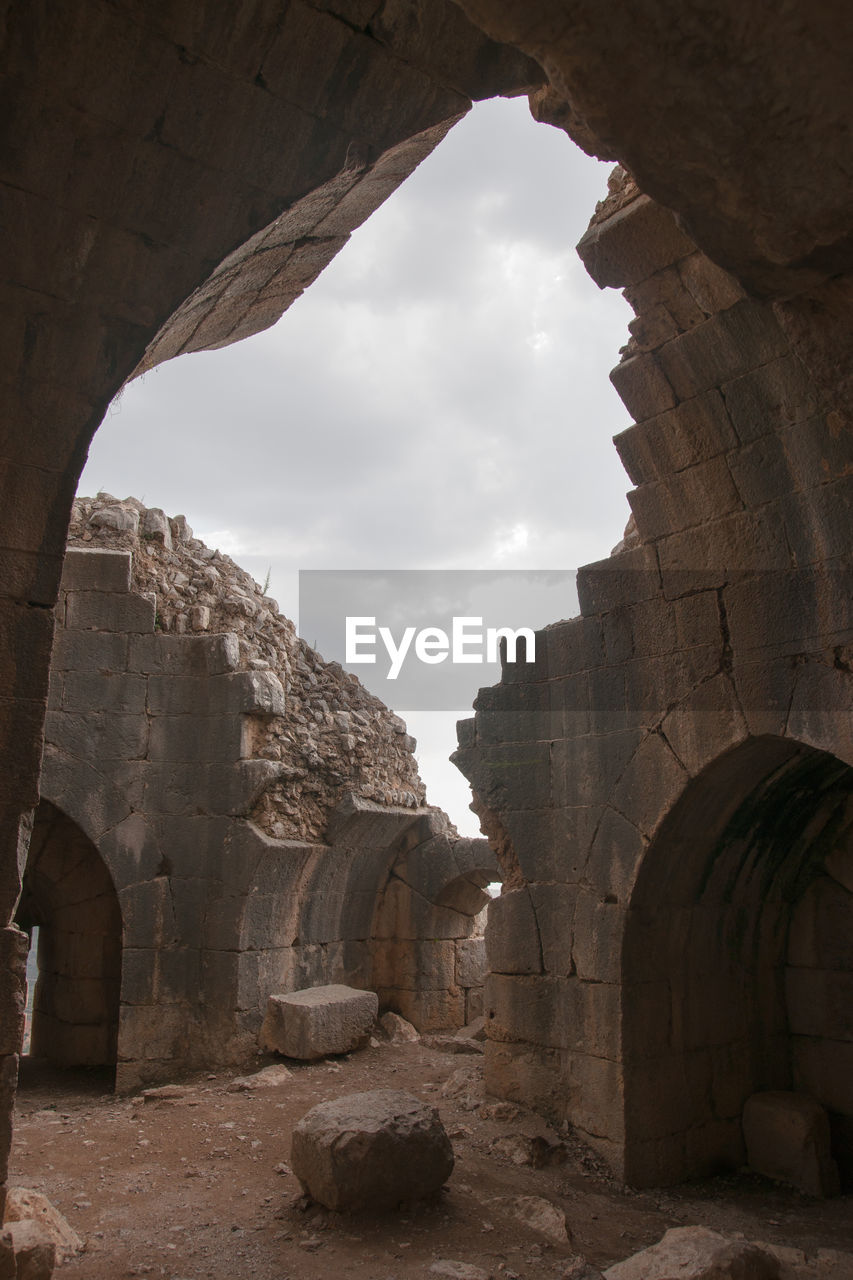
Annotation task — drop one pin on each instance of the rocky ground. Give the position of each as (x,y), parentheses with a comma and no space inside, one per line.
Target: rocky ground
(198,1187)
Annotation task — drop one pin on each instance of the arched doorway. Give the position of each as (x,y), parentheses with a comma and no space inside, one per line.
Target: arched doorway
(428,954)
(738,948)
(68,894)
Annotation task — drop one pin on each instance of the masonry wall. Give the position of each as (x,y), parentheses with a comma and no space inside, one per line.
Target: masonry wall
(150,758)
(124,192)
(724,618)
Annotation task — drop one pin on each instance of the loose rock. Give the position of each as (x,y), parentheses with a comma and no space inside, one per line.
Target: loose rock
(397,1029)
(459,1270)
(787,1138)
(25,1205)
(697,1253)
(371,1151)
(312,1023)
(268,1078)
(35,1250)
(540,1215)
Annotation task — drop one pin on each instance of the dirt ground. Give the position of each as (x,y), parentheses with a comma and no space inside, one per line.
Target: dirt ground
(199,1187)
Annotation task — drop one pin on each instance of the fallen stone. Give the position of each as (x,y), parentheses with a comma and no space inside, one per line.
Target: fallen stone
(371,1151)
(787,1138)
(459,1270)
(312,1023)
(466,1086)
(536,1150)
(540,1215)
(500,1110)
(155,526)
(268,1078)
(167,1093)
(697,1253)
(475,1030)
(122,519)
(25,1205)
(578,1268)
(452,1044)
(35,1250)
(397,1029)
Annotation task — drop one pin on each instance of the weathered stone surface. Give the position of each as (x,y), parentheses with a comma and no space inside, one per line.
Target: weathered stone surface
(398,1030)
(320,1020)
(579,1269)
(371,1151)
(451,1270)
(696,1253)
(35,1250)
(724,126)
(540,1215)
(787,1138)
(26,1205)
(267,1078)
(452,1044)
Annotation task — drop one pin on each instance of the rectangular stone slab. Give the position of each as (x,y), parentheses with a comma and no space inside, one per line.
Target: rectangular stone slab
(317,1021)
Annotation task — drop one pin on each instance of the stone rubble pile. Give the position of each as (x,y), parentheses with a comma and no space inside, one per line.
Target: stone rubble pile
(334,736)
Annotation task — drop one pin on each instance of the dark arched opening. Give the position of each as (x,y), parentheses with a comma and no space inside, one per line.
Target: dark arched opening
(68,894)
(738,944)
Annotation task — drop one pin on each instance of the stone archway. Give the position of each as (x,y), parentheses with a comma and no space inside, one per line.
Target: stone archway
(736,950)
(69,895)
(428,951)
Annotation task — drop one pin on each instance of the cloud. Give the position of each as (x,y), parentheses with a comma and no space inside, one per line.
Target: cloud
(439,398)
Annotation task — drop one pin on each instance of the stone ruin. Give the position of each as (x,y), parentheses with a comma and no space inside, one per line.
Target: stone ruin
(668,794)
(223,816)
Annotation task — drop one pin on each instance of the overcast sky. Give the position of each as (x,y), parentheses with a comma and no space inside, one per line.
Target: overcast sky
(438,399)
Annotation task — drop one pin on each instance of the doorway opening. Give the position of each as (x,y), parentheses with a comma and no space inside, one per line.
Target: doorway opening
(70,909)
(738,954)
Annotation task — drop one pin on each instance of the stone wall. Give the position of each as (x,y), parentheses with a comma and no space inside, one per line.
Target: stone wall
(145,147)
(216,156)
(223,811)
(721,626)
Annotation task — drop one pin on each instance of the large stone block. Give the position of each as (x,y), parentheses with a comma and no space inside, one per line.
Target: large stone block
(471,963)
(86,569)
(633,244)
(321,1020)
(89,651)
(371,1151)
(729,344)
(104,691)
(109,611)
(777,394)
(787,1138)
(643,387)
(512,934)
(696,430)
(415,964)
(184,655)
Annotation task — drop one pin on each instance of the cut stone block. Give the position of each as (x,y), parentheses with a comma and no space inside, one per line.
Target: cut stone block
(787,1138)
(371,1151)
(312,1023)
